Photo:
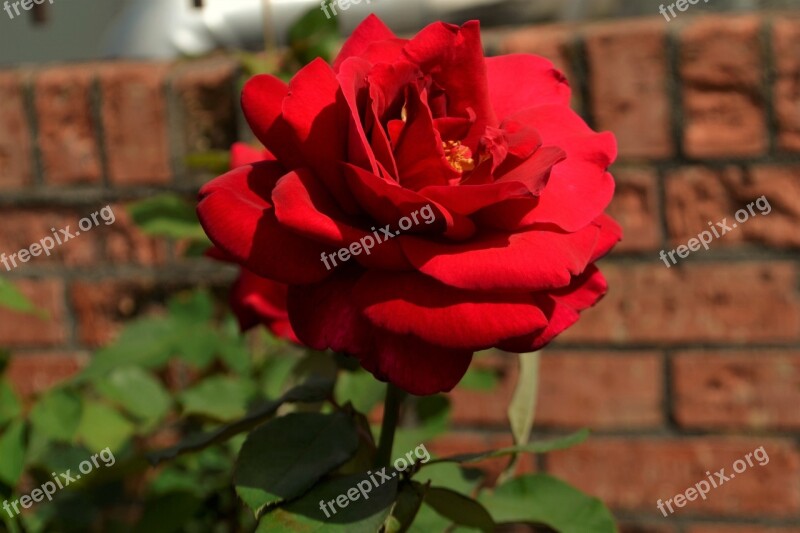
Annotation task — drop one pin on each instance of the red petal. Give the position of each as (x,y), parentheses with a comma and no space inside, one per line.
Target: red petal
(315,110)
(352,78)
(454,58)
(467,199)
(304,206)
(324,316)
(562,308)
(256,300)
(533,260)
(580,188)
(244,154)
(372,29)
(416,366)
(262,102)
(518,81)
(387,203)
(238,219)
(419,152)
(410,303)
(610,235)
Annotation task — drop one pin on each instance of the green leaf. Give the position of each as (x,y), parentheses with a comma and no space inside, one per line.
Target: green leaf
(12,453)
(261,63)
(405,509)
(57,415)
(523,404)
(314,35)
(197,344)
(533,447)
(276,374)
(167,215)
(147,343)
(168,513)
(312,391)
(428,520)
(452,476)
(102,427)
(136,391)
(303,447)
(522,408)
(543,499)
(459,509)
(361,389)
(214,161)
(233,349)
(221,398)
(433,416)
(11,298)
(479,379)
(358,516)
(191,307)
(10,407)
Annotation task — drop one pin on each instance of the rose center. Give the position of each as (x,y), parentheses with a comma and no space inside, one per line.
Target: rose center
(458,155)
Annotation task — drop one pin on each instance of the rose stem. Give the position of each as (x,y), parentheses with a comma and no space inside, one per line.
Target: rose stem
(391,416)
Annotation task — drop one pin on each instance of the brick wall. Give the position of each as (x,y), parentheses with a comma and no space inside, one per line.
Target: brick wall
(679,371)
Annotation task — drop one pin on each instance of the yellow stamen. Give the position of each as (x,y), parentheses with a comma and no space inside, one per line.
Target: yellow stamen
(458,155)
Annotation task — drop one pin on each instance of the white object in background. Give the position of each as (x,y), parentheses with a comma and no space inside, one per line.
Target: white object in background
(165,29)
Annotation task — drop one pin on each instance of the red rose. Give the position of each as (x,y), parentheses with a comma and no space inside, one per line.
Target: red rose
(515,181)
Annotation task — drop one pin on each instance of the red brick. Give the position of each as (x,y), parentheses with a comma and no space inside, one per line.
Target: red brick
(207,98)
(488,408)
(34,373)
(21,228)
(645,528)
(134,116)
(635,207)
(126,243)
(753,389)
(600,390)
(628,82)
(554,42)
(633,474)
(26,330)
(16,158)
(721,68)
(67,133)
(102,307)
(723,124)
(722,52)
(786,50)
(699,195)
(729,303)
(730,528)
(781,187)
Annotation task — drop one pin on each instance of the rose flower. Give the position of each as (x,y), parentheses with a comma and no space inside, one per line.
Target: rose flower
(515,181)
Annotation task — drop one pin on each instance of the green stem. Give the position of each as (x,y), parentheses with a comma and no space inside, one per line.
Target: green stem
(391,416)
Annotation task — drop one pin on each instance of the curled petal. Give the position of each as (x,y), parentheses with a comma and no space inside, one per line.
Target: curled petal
(238,218)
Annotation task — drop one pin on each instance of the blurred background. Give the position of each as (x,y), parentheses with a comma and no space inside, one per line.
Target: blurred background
(678,371)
